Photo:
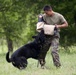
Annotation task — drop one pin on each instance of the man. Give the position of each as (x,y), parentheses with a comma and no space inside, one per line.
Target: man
(53,18)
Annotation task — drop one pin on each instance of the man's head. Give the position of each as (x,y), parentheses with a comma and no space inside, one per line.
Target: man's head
(48,10)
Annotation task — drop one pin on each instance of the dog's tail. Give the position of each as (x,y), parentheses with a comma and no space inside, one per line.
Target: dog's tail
(7,57)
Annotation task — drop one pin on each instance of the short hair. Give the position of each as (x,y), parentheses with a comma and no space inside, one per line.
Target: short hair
(47,8)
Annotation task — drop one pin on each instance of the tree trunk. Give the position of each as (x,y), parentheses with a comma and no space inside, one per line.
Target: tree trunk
(9,44)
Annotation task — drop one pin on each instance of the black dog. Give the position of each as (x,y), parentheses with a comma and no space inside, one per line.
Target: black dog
(30,50)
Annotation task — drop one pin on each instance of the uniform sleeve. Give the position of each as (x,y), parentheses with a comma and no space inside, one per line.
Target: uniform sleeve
(62,19)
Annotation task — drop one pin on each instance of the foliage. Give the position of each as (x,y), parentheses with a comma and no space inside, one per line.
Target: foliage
(18,19)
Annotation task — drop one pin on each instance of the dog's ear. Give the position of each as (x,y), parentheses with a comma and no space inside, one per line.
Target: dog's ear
(34,36)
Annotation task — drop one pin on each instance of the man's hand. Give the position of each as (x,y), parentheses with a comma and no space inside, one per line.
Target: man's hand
(40,16)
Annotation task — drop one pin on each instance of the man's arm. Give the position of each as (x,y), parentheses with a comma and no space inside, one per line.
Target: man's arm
(63,21)
(64,25)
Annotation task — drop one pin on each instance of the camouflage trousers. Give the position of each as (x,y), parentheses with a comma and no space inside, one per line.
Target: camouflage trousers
(52,41)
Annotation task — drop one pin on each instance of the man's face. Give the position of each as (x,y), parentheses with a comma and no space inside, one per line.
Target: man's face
(49,12)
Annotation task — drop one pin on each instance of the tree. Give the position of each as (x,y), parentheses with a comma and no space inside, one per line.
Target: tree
(12,21)
(18,19)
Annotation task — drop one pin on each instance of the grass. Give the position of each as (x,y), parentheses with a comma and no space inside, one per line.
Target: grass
(68,67)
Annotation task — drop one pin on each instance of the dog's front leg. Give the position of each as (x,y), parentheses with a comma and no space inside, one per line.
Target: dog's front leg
(42,63)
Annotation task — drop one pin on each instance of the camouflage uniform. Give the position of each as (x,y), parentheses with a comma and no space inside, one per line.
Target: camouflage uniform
(52,41)
(54,52)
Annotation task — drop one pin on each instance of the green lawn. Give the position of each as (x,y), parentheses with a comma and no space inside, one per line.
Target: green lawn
(68,66)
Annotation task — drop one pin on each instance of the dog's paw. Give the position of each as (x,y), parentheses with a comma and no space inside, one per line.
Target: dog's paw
(42,67)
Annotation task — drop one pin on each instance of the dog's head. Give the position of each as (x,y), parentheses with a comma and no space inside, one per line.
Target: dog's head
(40,38)
(19,62)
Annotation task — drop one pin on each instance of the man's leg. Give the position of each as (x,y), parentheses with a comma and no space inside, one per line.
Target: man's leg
(55,55)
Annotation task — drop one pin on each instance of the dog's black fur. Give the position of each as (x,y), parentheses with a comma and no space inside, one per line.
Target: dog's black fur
(30,50)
